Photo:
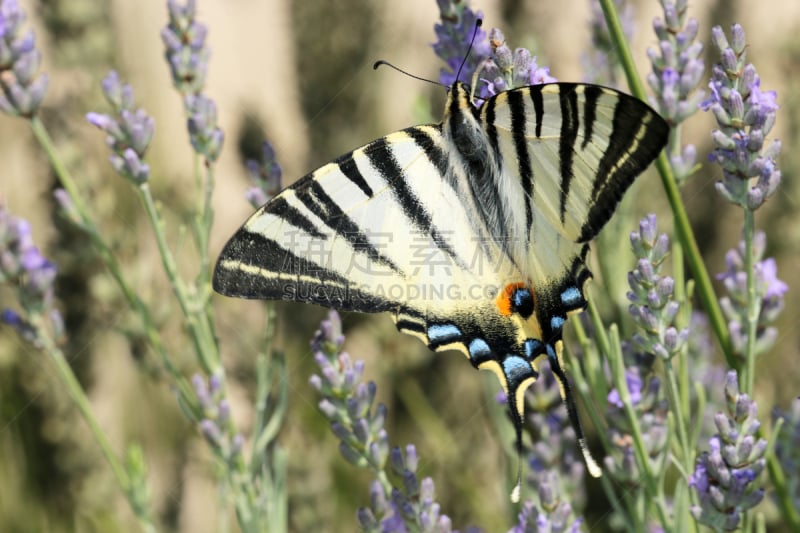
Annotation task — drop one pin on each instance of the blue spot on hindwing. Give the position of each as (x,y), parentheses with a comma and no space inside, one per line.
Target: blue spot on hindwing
(522,302)
(443,333)
(533,347)
(479,351)
(571,297)
(516,369)
(551,353)
(556,323)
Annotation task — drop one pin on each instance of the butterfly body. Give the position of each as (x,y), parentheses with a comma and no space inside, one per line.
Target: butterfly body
(472,233)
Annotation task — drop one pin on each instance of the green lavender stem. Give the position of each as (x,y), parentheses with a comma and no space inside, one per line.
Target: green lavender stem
(78,395)
(753,306)
(105,253)
(200,328)
(652,483)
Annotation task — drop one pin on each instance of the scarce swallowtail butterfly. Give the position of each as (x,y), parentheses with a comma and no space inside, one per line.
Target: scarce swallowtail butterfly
(472,233)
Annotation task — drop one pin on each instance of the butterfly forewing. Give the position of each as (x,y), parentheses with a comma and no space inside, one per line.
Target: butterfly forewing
(381,228)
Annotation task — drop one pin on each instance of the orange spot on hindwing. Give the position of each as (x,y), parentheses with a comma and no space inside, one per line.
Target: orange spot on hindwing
(505,300)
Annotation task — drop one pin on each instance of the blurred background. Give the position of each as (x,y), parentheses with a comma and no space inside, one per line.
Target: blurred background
(300,74)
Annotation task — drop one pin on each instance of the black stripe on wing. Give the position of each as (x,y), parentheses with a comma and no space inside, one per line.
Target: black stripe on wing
(381,157)
(638,135)
(591,94)
(281,208)
(516,106)
(538,107)
(348,167)
(568,101)
(436,155)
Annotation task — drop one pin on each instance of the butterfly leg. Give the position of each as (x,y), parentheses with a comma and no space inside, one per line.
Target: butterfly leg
(554,356)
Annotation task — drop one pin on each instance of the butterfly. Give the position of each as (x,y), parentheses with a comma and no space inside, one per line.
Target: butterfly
(472,233)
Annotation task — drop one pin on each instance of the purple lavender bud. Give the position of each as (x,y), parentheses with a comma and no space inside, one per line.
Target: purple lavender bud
(11,317)
(316,382)
(361,430)
(366,520)
(410,484)
(378,418)
(223,411)
(738,41)
(256,197)
(351,455)
(211,432)
(503,56)
(342,432)
(139,128)
(378,453)
(396,460)
(411,460)
(377,497)
(66,207)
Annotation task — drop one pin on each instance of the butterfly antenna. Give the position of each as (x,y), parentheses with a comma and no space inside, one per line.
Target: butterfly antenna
(478,24)
(381,62)
(572,411)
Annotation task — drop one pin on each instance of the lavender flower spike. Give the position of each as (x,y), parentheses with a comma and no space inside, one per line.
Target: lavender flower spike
(21,90)
(215,418)
(677,64)
(206,137)
(265,176)
(678,69)
(453,37)
(186,51)
(652,306)
(724,476)
(504,70)
(129,130)
(745,115)
(348,403)
(25,269)
(769,290)
(556,515)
